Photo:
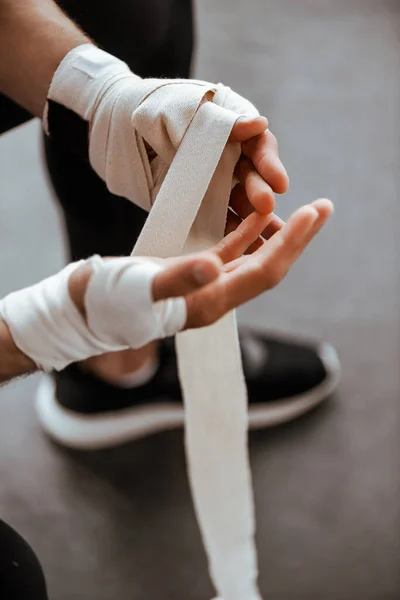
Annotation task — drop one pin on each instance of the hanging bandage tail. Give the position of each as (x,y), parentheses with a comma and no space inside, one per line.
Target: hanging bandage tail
(189,214)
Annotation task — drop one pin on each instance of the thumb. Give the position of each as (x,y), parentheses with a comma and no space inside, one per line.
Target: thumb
(184,275)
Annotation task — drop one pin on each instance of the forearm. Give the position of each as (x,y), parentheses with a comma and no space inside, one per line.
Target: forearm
(35,35)
(13,363)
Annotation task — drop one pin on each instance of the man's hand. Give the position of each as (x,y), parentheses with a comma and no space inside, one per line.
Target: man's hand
(242,266)
(37,35)
(212,283)
(217,281)
(260,171)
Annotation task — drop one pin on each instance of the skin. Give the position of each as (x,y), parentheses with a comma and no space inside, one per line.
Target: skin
(213,282)
(216,281)
(259,247)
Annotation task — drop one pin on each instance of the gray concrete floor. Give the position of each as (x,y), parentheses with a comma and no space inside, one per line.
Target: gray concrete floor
(119,524)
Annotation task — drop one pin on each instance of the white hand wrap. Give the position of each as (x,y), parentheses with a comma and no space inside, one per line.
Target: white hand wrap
(46,325)
(125,115)
(164,145)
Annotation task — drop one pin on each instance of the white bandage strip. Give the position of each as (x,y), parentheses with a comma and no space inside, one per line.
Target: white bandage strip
(189,139)
(46,325)
(120,307)
(209,359)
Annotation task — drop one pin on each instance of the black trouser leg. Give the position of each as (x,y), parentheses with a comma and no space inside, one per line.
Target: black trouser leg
(96,220)
(21,576)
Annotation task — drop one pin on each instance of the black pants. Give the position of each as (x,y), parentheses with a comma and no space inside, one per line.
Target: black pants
(21,576)
(155,37)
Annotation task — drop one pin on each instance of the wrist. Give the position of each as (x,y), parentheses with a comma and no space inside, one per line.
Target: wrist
(14,363)
(83,77)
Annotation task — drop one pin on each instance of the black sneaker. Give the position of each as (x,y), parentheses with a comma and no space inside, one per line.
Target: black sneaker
(285,379)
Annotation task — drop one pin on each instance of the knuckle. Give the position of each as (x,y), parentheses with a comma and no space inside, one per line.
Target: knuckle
(222,249)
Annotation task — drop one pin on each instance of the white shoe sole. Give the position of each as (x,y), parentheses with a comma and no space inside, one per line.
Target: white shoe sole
(91,432)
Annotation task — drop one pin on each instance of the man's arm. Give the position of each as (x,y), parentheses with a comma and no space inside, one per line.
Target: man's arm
(13,363)
(35,35)
(212,283)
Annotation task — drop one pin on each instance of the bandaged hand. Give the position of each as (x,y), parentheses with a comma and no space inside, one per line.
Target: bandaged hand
(105,305)
(130,128)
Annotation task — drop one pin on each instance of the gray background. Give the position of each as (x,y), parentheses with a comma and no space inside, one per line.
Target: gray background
(119,524)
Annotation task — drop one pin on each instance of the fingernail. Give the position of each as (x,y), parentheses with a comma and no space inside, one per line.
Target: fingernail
(247,119)
(244,119)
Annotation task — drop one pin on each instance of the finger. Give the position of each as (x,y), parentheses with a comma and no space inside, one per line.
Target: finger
(184,275)
(258,191)
(296,239)
(284,248)
(244,129)
(257,273)
(239,201)
(325,209)
(265,268)
(242,207)
(254,246)
(242,234)
(232,222)
(273,227)
(263,153)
